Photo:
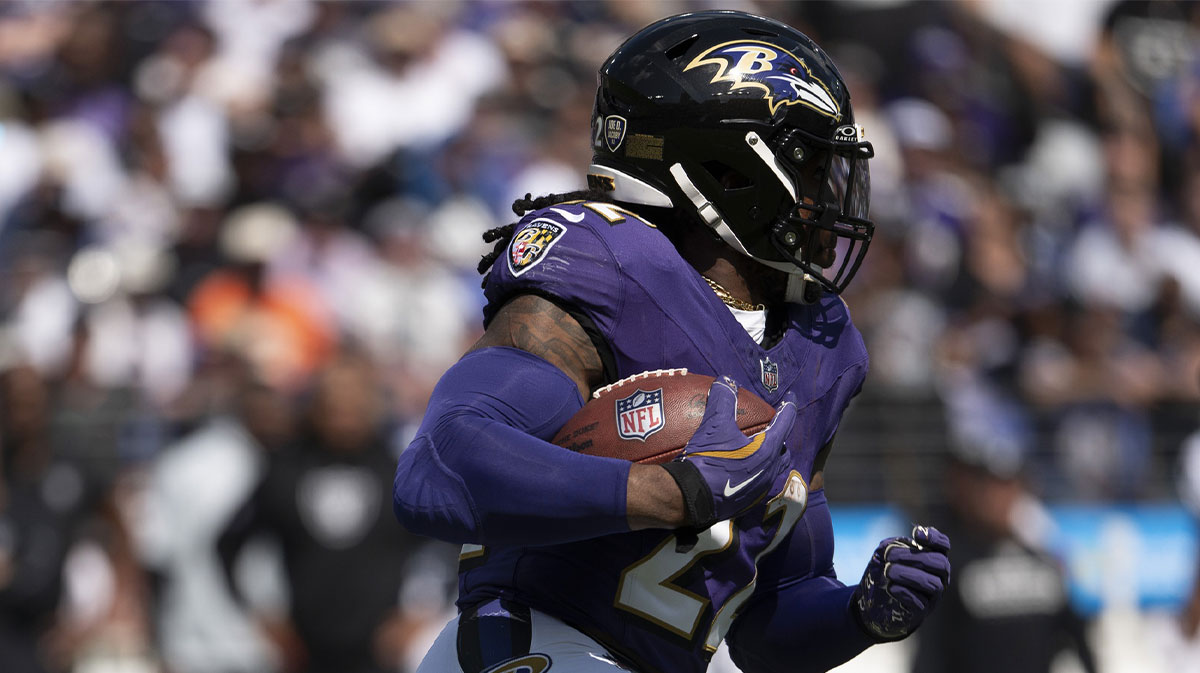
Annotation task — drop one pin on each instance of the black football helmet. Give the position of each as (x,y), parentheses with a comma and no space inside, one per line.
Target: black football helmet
(746,121)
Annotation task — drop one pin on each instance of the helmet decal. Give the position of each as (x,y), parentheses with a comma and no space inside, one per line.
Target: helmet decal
(783,78)
(614,131)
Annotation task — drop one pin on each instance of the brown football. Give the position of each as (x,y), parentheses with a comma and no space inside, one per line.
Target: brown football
(649,417)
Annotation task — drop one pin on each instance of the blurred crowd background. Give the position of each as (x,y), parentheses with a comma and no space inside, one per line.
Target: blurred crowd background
(238,243)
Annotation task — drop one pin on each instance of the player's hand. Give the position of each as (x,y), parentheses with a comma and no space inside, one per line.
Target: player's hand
(903,581)
(721,471)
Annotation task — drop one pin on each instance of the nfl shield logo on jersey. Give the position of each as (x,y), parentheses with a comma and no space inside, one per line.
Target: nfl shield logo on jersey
(770,374)
(640,415)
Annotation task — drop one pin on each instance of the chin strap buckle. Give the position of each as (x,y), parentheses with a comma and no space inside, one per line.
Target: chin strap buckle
(705,208)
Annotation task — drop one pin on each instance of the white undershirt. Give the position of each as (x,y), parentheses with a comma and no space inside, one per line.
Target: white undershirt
(754,322)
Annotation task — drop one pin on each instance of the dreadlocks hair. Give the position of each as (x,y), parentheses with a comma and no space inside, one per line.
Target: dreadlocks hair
(501,236)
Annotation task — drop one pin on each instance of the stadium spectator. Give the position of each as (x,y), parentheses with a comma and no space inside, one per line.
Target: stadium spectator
(1008,608)
(324,500)
(280,322)
(192,490)
(41,502)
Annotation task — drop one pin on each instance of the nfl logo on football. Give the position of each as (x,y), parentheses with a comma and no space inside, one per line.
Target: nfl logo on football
(640,415)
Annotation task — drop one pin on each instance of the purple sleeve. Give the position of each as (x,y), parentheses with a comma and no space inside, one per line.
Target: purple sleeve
(806,624)
(481,471)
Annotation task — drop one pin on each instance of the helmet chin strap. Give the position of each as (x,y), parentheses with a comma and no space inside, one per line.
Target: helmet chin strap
(765,155)
(633,190)
(797,279)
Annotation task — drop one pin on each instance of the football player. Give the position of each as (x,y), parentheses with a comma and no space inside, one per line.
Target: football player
(726,210)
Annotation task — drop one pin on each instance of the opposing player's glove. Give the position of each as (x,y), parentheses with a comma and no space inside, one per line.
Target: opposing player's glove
(903,581)
(721,471)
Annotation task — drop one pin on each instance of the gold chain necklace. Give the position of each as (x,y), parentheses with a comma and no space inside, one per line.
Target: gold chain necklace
(731,300)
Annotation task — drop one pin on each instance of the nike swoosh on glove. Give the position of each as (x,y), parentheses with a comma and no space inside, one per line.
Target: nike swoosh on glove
(902,583)
(721,471)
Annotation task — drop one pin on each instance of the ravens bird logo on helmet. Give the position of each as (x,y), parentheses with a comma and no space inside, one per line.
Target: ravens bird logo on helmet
(783,78)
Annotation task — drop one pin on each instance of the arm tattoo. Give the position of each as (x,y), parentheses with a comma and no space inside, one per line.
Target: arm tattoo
(537,326)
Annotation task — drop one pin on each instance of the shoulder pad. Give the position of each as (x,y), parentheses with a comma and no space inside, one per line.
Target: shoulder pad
(580,252)
(561,252)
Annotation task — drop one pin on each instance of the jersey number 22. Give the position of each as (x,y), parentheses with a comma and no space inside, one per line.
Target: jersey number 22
(647,587)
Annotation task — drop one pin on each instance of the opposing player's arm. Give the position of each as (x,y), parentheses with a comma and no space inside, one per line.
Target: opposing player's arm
(481,469)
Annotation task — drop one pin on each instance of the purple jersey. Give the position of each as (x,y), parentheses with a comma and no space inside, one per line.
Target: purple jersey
(663,610)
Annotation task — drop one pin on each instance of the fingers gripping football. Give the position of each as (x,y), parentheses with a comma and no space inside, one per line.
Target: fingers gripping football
(902,583)
(721,472)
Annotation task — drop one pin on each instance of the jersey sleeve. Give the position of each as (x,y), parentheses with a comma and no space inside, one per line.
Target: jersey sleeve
(480,469)
(561,253)
(805,627)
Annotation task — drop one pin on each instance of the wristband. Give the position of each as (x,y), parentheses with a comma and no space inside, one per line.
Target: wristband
(697,501)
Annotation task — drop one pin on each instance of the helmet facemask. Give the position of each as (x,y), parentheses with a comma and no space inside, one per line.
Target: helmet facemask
(826,231)
(797,203)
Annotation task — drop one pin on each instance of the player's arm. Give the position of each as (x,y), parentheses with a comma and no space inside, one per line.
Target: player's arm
(807,624)
(481,469)
(815,622)
(539,326)
(806,627)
